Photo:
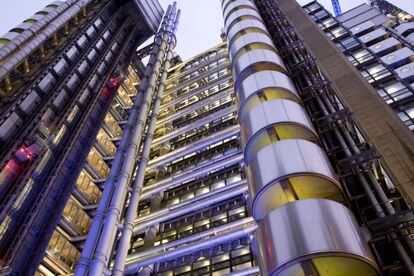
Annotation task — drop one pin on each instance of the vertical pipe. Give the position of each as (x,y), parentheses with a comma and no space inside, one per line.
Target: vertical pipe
(384,202)
(93,234)
(112,217)
(137,187)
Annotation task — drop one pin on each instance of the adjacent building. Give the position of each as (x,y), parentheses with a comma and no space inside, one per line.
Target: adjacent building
(380,46)
(277,152)
(68,76)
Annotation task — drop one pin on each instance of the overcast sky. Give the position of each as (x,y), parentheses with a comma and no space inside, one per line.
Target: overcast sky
(200,25)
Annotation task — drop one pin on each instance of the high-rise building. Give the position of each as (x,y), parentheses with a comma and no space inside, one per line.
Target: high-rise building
(269,154)
(380,45)
(68,76)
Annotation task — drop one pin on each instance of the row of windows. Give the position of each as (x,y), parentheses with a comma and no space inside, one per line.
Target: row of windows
(196,134)
(200,113)
(395,92)
(48,48)
(63,250)
(223,260)
(204,131)
(375,74)
(214,151)
(204,81)
(75,214)
(407,115)
(207,68)
(196,222)
(195,62)
(204,94)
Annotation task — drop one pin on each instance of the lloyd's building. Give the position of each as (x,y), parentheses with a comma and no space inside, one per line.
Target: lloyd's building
(281,151)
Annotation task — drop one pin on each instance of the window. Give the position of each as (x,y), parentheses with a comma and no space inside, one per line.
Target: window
(336,33)
(320,15)
(313,7)
(407,116)
(360,57)
(394,92)
(375,73)
(62,249)
(347,44)
(327,23)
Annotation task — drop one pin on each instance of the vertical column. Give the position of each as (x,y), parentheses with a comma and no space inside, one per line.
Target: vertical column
(296,199)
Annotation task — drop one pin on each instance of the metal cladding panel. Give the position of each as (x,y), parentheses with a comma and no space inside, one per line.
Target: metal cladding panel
(405,27)
(250,38)
(362,27)
(151,11)
(373,35)
(353,12)
(320,230)
(239,13)
(262,117)
(232,5)
(384,45)
(395,58)
(361,14)
(264,80)
(258,56)
(406,71)
(244,24)
(283,160)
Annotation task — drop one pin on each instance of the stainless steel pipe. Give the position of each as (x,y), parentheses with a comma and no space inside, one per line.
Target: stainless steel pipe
(107,235)
(136,192)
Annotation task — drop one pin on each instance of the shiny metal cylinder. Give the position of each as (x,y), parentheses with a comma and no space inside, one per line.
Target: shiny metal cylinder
(314,235)
(290,170)
(291,122)
(290,176)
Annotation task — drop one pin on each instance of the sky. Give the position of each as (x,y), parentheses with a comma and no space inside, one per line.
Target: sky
(200,25)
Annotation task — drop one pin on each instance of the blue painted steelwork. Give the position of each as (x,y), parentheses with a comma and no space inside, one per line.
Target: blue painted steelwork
(337,7)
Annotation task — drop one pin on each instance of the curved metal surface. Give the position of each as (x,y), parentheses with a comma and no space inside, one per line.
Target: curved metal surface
(244,24)
(41,23)
(258,82)
(237,8)
(247,61)
(249,38)
(238,13)
(230,5)
(290,122)
(29,46)
(289,170)
(402,28)
(321,232)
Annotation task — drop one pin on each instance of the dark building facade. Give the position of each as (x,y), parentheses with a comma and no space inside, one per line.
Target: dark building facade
(272,153)
(68,76)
